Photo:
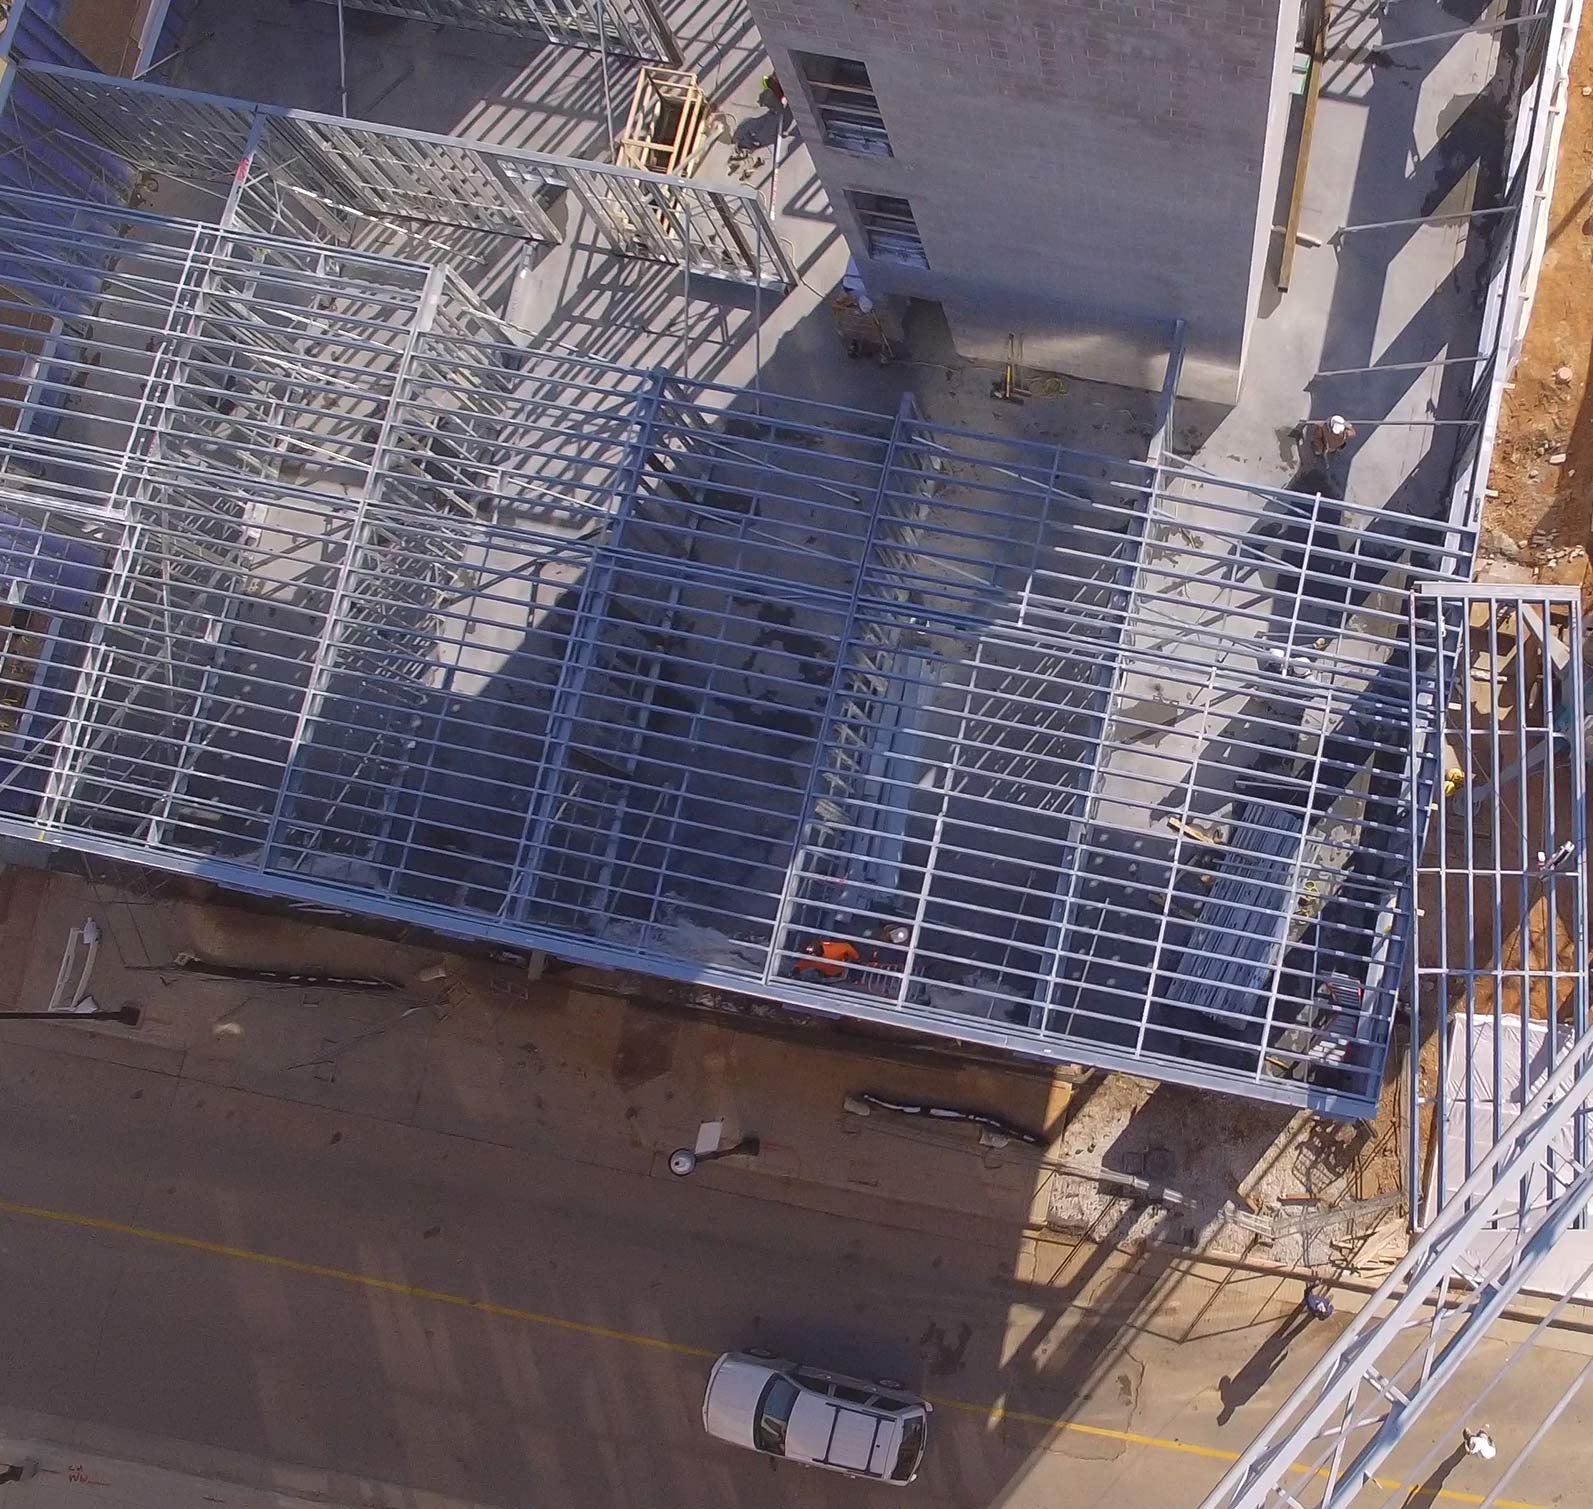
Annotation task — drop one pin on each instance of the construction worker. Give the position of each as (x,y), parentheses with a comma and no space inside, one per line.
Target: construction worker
(827,959)
(896,936)
(1559,860)
(1331,434)
(1318,1302)
(1479,1443)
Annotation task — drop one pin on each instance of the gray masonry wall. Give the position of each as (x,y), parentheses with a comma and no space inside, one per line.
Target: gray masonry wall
(1082,172)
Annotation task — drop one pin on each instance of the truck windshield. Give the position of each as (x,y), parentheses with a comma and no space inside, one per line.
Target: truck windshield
(774,1414)
(911,1451)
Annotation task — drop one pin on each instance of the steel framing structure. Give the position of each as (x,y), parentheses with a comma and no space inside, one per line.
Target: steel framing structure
(632,28)
(382,189)
(399,616)
(394,614)
(1516,725)
(1502,878)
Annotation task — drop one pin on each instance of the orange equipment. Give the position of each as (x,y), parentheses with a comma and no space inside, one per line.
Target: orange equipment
(827,959)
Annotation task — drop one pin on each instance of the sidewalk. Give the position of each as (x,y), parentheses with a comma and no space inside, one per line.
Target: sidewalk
(130,1471)
(568,1065)
(481,1051)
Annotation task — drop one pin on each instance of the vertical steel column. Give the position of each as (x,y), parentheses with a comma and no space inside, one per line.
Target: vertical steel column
(1421,783)
(1577,738)
(335,625)
(240,180)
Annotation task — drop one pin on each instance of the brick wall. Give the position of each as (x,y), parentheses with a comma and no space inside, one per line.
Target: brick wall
(1082,171)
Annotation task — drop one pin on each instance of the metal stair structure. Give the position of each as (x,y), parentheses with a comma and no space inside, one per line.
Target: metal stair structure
(1326,1443)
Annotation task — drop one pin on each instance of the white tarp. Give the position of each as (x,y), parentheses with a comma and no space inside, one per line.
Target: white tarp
(1500,1038)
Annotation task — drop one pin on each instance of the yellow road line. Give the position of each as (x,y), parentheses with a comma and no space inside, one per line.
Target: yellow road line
(348,1276)
(991,1413)
(994,1413)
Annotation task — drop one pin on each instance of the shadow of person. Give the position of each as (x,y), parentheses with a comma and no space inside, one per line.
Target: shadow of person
(1241,1387)
(758,131)
(1426,1493)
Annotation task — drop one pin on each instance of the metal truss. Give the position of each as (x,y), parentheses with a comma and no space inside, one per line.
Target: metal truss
(632,28)
(391,613)
(380,189)
(1327,1442)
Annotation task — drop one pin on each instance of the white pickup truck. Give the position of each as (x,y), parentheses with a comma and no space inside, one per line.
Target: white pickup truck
(869,1430)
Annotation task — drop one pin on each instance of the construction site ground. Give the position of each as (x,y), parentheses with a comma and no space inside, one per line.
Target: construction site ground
(1539,506)
(481,1048)
(1229,1176)
(1121,1157)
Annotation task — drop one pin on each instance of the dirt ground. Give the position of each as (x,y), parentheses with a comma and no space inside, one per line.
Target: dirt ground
(1234,1178)
(1539,510)
(1540,503)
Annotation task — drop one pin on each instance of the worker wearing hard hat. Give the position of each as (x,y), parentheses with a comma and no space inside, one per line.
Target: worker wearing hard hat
(825,959)
(1331,434)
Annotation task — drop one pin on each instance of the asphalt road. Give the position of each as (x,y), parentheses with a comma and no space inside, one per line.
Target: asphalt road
(217,1267)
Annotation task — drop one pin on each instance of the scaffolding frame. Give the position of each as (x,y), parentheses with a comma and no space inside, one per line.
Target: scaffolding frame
(1500,944)
(631,28)
(383,189)
(401,616)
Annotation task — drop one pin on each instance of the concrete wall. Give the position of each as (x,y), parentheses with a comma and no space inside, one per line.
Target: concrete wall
(1082,171)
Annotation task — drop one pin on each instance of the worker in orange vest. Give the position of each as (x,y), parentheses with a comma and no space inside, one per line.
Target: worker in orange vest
(827,959)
